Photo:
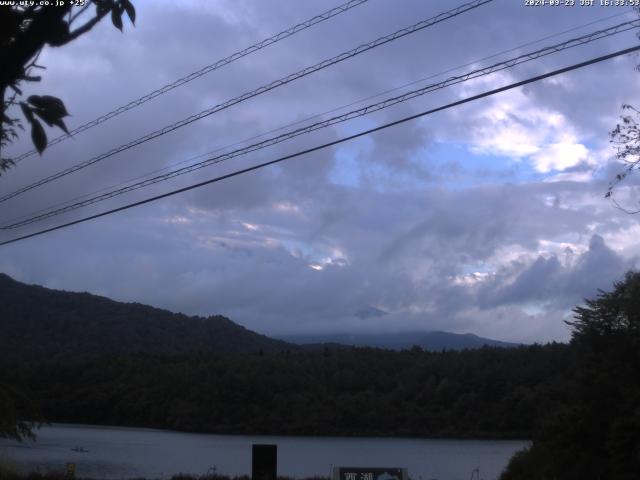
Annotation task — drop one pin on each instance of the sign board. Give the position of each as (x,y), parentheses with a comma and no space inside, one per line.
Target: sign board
(367,473)
(264,464)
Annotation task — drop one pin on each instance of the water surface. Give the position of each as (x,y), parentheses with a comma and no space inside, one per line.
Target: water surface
(118,452)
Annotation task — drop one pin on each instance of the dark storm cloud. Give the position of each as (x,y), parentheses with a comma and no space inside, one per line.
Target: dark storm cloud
(548,281)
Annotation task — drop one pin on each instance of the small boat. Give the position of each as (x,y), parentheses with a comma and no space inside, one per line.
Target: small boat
(80,449)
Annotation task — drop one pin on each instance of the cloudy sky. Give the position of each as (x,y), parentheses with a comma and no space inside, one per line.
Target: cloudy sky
(487,218)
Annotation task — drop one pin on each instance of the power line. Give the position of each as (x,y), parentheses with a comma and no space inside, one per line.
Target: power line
(265,88)
(597,35)
(203,71)
(317,115)
(332,143)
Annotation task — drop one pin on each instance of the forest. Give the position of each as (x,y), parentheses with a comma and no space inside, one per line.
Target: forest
(38,323)
(579,403)
(489,392)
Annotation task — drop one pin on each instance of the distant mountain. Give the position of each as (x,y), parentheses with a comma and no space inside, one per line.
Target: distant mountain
(39,323)
(370,312)
(432,341)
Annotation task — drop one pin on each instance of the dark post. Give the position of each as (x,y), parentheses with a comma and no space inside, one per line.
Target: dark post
(71,470)
(265,462)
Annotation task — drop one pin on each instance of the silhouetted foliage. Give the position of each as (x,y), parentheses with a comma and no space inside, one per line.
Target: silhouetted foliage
(73,351)
(61,475)
(37,323)
(580,403)
(597,434)
(489,392)
(24,32)
(626,137)
(18,414)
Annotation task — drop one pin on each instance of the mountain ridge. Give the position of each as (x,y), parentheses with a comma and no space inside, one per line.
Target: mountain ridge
(38,323)
(427,340)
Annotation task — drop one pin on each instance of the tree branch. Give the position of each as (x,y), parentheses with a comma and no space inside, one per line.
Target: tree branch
(78,13)
(85,28)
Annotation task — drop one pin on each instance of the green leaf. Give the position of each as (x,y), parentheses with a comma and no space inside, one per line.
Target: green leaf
(116,18)
(60,124)
(131,11)
(44,115)
(50,120)
(101,8)
(38,136)
(53,105)
(27,111)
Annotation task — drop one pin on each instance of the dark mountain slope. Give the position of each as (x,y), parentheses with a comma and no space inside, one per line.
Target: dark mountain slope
(37,323)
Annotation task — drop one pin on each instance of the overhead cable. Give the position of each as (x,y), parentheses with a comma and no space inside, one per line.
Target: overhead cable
(314,116)
(329,144)
(203,71)
(597,35)
(265,88)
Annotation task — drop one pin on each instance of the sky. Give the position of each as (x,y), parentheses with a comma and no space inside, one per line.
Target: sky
(488,218)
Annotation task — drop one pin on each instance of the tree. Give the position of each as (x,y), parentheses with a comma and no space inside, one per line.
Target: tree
(24,32)
(18,413)
(626,136)
(613,317)
(598,435)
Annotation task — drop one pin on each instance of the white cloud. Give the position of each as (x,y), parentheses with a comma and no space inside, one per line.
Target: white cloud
(513,124)
(250,226)
(559,156)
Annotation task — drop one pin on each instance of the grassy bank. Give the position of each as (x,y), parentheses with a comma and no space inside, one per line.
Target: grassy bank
(9,473)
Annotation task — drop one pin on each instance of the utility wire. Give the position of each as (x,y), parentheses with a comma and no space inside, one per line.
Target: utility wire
(203,71)
(332,143)
(265,88)
(317,115)
(597,35)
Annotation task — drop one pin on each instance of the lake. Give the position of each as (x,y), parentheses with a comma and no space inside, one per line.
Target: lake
(119,452)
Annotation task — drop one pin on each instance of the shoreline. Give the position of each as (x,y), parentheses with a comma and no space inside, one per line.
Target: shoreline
(399,436)
(62,475)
